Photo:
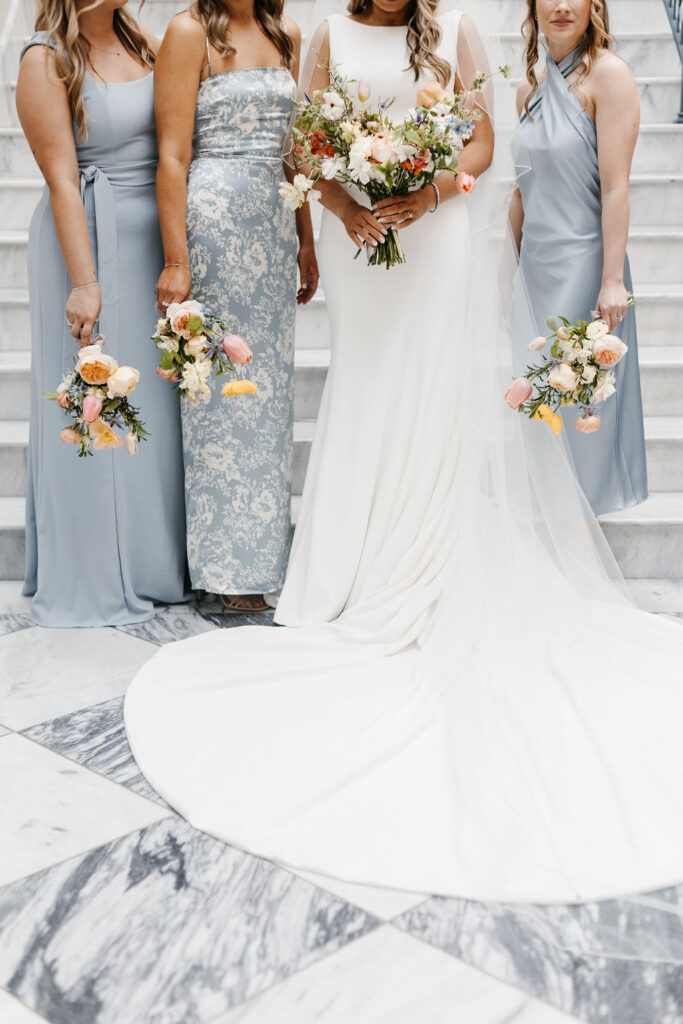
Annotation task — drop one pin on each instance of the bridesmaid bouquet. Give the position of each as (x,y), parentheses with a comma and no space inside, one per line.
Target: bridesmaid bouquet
(95,396)
(578,372)
(346,141)
(195,343)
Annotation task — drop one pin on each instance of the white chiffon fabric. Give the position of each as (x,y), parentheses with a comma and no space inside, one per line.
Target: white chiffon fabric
(465,702)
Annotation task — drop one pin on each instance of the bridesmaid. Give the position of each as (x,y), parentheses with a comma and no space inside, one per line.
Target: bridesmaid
(224,95)
(570,215)
(105,536)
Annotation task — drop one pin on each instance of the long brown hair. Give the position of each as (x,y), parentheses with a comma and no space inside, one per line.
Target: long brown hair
(424,35)
(59,19)
(596,37)
(215,17)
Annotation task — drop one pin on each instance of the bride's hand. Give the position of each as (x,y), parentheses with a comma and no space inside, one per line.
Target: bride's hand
(361,226)
(401,211)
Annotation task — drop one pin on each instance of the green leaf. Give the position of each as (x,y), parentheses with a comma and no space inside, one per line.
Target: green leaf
(167,360)
(195,324)
(552,323)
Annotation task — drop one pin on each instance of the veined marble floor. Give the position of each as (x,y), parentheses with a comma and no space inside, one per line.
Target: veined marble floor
(113,910)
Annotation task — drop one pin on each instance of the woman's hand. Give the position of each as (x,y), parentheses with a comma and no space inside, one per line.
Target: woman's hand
(308,273)
(612,303)
(402,211)
(174,285)
(361,225)
(82,310)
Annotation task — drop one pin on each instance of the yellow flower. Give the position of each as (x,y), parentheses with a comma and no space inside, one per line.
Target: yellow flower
(544,412)
(239,387)
(556,424)
(107,439)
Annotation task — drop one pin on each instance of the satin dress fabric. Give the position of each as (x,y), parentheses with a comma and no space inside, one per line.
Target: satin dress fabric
(105,535)
(560,270)
(242,246)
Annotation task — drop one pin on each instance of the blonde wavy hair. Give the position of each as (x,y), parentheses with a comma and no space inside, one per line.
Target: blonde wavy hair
(596,37)
(59,19)
(215,18)
(424,35)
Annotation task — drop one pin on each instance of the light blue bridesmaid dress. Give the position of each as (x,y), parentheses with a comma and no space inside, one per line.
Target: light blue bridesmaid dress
(561,269)
(242,248)
(105,536)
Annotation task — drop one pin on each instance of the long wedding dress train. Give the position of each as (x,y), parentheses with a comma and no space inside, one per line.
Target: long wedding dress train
(467,704)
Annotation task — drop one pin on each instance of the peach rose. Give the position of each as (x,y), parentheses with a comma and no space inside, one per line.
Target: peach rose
(132,445)
(597,329)
(518,392)
(64,401)
(186,318)
(237,349)
(107,439)
(94,366)
(608,350)
(122,382)
(239,387)
(430,92)
(70,436)
(92,407)
(588,424)
(465,182)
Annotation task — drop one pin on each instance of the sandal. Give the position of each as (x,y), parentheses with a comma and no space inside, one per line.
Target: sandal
(243,604)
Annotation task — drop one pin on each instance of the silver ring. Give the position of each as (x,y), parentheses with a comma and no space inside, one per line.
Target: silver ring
(69,323)
(163,305)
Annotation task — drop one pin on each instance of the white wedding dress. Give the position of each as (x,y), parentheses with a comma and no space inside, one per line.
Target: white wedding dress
(464,703)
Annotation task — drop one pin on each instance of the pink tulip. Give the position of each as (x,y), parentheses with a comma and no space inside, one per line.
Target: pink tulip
(588,424)
(92,407)
(70,436)
(518,392)
(236,349)
(171,374)
(465,182)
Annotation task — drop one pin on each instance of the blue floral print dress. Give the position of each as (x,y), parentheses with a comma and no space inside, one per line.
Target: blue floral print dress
(242,248)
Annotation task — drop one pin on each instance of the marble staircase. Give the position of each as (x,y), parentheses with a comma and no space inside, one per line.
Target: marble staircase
(647,540)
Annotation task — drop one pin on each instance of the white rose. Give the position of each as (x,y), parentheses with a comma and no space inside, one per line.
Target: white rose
(196,347)
(597,329)
(333,106)
(382,149)
(122,382)
(537,344)
(589,374)
(562,377)
(605,389)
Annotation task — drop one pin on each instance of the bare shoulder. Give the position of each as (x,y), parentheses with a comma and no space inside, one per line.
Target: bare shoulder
(185,28)
(610,72)
(523,92)
(39,59)
(292,29)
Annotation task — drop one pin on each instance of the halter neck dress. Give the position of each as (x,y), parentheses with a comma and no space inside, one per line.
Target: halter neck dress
(560,267)
(105,536)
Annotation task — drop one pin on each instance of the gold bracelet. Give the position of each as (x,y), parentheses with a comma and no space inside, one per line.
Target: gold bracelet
(88,284)
(185,265)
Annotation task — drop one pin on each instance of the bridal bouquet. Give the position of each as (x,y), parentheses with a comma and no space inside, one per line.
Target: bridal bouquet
(95,397)
(578,372)
(195,344)
(341,139)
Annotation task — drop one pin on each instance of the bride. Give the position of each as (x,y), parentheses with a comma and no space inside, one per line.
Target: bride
(465,702)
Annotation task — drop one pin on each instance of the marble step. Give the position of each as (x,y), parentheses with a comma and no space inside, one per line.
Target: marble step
(656,256)
(647,540)
(646,52)
(663,435)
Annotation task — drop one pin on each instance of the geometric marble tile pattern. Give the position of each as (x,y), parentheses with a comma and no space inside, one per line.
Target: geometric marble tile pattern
(390,978)
(49,672)
(3,731)
(53,809)
(177,623)
(13,1012)
(13,623)
(385,904)
(96,738)
(578,958)
(163,926)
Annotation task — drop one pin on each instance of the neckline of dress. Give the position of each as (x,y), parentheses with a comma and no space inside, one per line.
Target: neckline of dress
(133,81)
(238,71)
(364,24)
(569,62)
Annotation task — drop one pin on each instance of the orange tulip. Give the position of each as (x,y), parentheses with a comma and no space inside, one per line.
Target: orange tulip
(239,387)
